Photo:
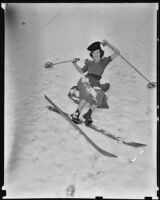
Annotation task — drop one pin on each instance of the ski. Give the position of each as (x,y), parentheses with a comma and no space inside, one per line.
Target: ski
(106,133)
(64,115)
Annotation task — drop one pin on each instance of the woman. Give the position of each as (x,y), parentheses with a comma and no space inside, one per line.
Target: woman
(89,85)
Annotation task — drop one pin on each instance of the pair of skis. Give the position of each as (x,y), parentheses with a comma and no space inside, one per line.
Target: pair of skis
(56,109)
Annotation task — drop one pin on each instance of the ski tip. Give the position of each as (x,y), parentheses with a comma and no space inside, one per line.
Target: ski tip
(46,97)
(135,144)
(111,155)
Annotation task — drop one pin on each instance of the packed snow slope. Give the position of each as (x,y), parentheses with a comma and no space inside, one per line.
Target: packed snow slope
(44,154)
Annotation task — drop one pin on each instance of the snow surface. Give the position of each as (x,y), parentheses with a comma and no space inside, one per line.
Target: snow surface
(44,155)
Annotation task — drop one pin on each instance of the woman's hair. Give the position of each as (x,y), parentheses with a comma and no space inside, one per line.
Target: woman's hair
(101,53)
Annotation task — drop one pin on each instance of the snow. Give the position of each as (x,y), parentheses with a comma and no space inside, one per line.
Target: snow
(44,155)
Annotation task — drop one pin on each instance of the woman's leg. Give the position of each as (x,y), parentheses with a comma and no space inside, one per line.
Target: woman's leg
(87,116)
(76,114)
(81,105)
(93,107)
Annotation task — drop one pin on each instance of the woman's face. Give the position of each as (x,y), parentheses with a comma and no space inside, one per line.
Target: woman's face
(96,55)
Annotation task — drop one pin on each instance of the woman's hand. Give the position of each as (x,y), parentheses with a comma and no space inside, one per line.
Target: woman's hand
(75,60)
(105,42)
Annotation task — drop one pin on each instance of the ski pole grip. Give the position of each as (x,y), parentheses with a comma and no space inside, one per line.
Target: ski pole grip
(75,60)
(109,45)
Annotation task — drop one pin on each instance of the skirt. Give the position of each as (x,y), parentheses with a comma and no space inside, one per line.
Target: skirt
(90,90)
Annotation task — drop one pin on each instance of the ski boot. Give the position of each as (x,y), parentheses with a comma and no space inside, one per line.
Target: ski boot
(87,117)
(75,117)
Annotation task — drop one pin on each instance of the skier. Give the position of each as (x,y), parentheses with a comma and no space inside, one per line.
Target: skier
(89,85)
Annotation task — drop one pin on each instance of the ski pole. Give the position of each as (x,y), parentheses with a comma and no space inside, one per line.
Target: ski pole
(150,84)
(50,64)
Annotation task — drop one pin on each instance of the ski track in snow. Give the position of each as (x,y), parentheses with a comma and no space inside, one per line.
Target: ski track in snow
(44,153)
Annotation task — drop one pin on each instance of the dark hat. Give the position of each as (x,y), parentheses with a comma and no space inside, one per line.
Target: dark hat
(94,46)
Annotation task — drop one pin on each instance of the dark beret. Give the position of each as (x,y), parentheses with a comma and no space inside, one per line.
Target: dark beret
(94,46)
